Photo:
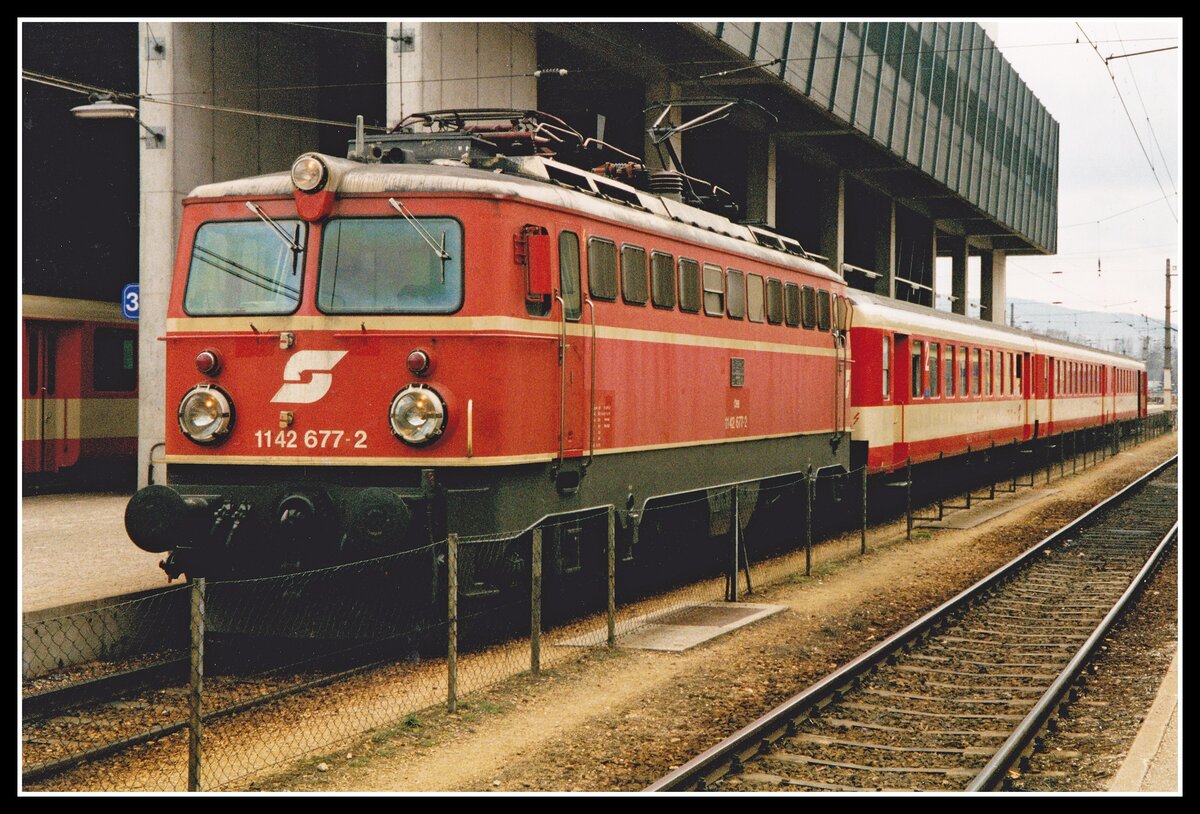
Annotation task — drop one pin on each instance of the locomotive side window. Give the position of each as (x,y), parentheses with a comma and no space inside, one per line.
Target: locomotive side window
(935,370)
(633,275)
(735,294)
(774,301)
(662,280)
(823,320)
(754,298)
(386,266)
(115,360)
(791,304)
(689,286)
(568,275)
(714,291)
(915,368)
(242,267)
(602,268)
(808,307)
(887,368)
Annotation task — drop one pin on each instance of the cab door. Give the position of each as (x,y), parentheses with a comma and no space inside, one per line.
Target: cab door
(577,331)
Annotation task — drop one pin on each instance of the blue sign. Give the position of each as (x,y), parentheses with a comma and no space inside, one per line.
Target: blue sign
(131,301)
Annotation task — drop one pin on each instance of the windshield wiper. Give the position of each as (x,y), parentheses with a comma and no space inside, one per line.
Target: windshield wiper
(291,243)
(440,251)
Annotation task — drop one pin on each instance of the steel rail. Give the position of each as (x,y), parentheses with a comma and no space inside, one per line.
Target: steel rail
(748,741)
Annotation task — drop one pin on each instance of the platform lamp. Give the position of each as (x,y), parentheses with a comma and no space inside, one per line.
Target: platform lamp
(104,106)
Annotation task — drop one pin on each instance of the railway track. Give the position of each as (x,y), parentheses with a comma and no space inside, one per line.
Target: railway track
(956,699)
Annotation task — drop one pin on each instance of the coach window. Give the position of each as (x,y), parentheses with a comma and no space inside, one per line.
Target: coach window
(774,301)
(887,368)
(791,305)
(962,371)
(974,371)
(735,294)
(568,274)
(948,372)
(1019,376)
(808,307)
(662,280)
(918,348)
(823,320)
(633,275)
(935,370)
(987,372)
(115,367)
(714,290)
(689,286)
(754,298)
(602,268)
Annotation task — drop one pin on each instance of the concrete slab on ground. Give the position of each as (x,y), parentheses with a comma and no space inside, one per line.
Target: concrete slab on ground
(682,628)
(982,511)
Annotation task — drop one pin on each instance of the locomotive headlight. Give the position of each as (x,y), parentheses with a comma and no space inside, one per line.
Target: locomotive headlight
(309,173)
(417,415)
(206,414)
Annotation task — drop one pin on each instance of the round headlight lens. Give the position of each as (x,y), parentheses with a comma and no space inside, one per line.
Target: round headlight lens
(205,414)
(308,173)
(417,415)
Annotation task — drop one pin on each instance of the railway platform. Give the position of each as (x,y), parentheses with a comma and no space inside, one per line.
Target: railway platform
(74,550)
(1152,764)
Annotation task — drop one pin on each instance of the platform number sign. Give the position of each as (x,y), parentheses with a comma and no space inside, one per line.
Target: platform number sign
(131,301)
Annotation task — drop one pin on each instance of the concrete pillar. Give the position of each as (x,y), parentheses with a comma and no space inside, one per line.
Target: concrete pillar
(929,296)
(460,65)
(832,192)
(993,284)
(761,173)
(885,250)
(958,275)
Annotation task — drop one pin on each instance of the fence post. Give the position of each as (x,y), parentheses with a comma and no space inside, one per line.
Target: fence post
(1074,450)
(992,470)
(967,466)
(908,495)
(808,521)
(863,547)
(535,604)
(196,684)
(452,623)
(735,530)
(612,576)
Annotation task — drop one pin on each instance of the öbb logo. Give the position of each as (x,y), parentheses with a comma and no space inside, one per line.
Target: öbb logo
(319,363)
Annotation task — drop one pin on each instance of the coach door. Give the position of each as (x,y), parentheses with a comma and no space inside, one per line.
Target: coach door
(44,418)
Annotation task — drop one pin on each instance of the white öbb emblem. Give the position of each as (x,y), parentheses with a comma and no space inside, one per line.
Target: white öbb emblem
(317,362)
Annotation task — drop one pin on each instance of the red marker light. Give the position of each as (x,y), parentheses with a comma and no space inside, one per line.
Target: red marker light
(208,362)
(418,363)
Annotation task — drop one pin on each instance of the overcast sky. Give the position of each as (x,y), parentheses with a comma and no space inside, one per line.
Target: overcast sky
(1103,172)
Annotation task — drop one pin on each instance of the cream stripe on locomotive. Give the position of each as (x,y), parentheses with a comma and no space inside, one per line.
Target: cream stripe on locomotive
(474,325)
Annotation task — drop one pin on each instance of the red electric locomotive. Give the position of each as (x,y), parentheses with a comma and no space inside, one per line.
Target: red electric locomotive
(78,392)
(453,332)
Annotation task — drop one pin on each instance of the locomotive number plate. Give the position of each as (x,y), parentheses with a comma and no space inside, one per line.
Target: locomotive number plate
(310,439)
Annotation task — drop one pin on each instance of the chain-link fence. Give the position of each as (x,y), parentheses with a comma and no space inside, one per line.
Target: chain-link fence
(204,686)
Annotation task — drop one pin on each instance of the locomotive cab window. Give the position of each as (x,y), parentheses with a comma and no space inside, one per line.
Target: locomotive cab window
(633,275)
(714,291)
(689,286)
(245,267)
(387,266)
(662,280)
(823,311)
(602,268)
